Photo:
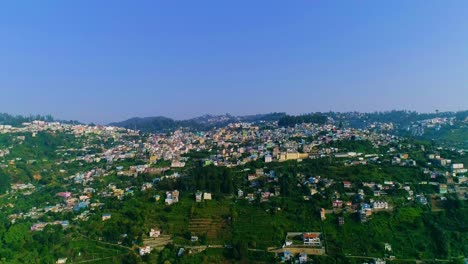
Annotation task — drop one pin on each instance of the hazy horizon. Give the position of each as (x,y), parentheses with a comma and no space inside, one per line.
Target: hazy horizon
(105,62)
(218,114)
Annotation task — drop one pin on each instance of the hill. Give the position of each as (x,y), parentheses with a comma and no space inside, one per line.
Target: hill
(205,122)
(402,119)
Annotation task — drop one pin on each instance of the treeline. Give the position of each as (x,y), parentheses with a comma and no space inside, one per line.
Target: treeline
(275,116)
(4,181)
(364,146)
(18,120)
(218,180)
(289,121)
(462,115)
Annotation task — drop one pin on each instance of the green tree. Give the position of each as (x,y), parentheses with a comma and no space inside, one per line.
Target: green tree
(16,235)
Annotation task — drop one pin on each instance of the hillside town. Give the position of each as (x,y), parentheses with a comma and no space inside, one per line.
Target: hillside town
(103,163)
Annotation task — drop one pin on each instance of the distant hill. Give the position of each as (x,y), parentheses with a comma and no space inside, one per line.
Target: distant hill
(205,122)
(401,118)
(148,124)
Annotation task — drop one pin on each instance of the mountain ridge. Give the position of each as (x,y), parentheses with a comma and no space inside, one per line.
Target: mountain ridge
(204,122)
(208,121)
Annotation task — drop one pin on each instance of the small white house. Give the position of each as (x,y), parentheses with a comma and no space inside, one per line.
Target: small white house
(207,196)
(154,233)
(106,217)
(61,261)
(379,205)
(144,250)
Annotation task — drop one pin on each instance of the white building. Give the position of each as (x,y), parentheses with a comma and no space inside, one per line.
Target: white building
(144,250)
(379,205)
(458,168)
(206,196)
(154,233)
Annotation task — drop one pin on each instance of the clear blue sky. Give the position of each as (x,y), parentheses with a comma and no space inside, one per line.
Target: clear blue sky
(104,61)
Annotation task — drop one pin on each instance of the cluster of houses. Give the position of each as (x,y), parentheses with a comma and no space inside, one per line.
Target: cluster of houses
(307,242)
(356,201)
(239,143)
(41,225)
(22,187)
(419,127)
(403,159)
(146,249)
(271,186)
(236,144)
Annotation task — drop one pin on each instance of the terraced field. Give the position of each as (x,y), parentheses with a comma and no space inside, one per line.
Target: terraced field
(215,229)
(158,243)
